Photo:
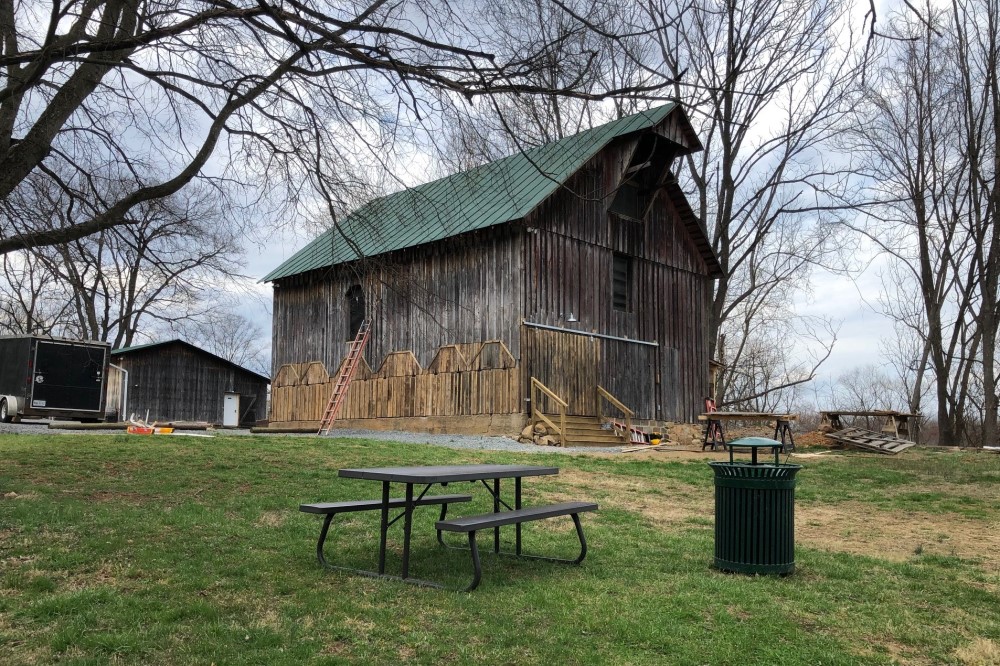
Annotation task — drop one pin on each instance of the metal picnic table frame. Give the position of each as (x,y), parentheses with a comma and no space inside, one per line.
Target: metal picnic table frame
(429,476)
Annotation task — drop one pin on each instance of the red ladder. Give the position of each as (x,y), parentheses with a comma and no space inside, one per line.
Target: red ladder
(346,375)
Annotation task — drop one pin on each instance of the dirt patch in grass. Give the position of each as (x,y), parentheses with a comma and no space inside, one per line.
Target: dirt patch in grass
(980,652)
(19,560)
(130,498)
(335,649)
(846,527)
(979,491)
(19,497)
(266,618)
(897,535)
(110,574)
(900,654)
(271,519)
(671,452)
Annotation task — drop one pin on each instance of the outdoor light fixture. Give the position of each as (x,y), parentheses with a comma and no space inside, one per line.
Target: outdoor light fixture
(571,317)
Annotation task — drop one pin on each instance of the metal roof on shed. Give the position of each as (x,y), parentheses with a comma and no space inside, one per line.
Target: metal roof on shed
(492,194)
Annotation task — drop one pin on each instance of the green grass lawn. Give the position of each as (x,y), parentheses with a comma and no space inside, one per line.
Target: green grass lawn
(178,550)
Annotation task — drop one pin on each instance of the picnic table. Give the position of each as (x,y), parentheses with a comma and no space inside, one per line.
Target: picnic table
(895,423)
(489,476)
(715,432)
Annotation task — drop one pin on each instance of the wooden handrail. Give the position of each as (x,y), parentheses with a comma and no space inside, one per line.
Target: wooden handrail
(537,415)
(603,393)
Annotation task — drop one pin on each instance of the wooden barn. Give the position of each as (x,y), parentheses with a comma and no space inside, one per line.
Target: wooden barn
(573,278)
(176,381)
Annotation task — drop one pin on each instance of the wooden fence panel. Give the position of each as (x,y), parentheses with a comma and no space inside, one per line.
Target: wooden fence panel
(401,388)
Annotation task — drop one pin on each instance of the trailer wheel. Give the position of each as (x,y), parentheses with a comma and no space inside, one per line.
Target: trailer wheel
(4,416)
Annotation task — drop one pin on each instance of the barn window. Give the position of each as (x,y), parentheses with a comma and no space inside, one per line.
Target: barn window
(356,309)
(621,283)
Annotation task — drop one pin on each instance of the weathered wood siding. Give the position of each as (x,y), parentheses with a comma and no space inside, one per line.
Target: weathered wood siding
(568,263)
(176,383)
(484,379)
(465,289)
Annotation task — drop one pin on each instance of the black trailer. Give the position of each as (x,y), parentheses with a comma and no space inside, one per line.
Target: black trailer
(43,377)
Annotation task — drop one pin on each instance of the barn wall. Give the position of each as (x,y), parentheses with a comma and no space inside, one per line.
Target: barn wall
(568,264)
(175,383)
(462,290)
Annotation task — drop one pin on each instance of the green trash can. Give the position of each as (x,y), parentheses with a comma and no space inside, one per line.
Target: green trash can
(755,512)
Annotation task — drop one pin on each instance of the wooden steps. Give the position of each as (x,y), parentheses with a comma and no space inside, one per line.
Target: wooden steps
(588,431)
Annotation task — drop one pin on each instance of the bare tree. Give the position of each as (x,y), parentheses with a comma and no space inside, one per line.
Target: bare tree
(587,60)
(768,81)
(867,388)
(252,97)
(926,138)
(232,336)
(906,353)
(30,301)
(161,267)
(975,26)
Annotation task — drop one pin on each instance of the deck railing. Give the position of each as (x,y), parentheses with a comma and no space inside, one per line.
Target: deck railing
(537,415)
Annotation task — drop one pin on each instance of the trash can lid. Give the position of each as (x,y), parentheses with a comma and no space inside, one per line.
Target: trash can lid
(754,443)
(751,442)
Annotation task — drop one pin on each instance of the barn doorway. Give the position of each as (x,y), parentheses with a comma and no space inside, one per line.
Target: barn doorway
(356,310)
(573,365)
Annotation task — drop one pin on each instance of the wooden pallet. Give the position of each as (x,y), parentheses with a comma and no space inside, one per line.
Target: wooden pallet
(870,441)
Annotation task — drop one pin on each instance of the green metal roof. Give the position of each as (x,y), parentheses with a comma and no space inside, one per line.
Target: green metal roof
(494,193)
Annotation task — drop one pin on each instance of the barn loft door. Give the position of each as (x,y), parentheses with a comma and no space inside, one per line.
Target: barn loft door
(645,172)
(356,309)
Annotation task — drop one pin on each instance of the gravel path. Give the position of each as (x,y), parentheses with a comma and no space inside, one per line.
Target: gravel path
(451,441)
(470,442)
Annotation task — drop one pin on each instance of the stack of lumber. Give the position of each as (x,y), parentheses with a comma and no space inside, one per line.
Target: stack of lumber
(870,441)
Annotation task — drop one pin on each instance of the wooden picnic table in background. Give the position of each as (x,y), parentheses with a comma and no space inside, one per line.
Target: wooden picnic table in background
(895,423)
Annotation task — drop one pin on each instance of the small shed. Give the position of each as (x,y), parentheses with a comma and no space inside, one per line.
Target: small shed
(176,381)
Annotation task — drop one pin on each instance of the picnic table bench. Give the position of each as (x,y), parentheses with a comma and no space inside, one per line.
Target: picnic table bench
(431,475)
(331,509)
(472,524)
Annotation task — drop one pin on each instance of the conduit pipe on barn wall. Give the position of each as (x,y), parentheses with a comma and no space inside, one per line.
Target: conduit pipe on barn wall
(651,343)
